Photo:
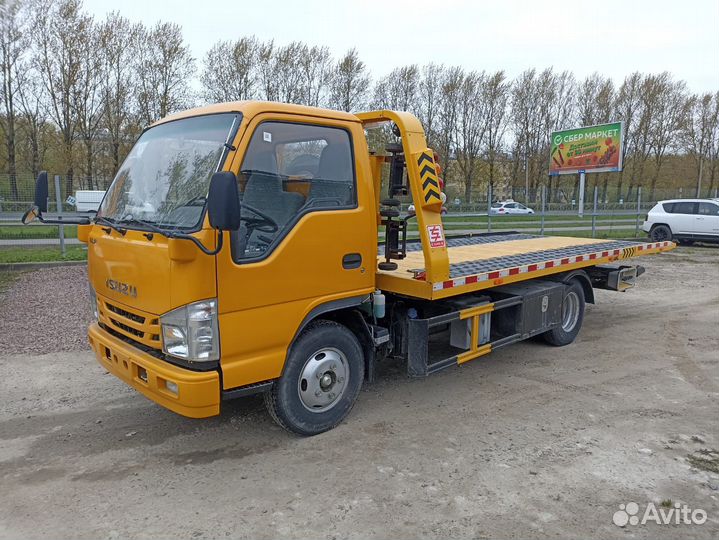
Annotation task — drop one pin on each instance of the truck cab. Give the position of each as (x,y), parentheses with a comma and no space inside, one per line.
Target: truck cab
(236,252)
(185,328)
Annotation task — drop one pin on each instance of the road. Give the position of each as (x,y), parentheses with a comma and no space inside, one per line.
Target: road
(531,441)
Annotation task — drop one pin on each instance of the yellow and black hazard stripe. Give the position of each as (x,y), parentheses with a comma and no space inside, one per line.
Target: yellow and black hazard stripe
(628,252)
(428,178)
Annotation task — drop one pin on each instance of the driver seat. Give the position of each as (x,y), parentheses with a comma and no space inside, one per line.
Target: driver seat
(264,189)
(264,192)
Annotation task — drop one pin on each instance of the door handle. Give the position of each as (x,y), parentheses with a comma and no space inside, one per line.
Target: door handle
(351,261)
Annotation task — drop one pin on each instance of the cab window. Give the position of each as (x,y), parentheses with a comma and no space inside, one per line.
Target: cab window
(290,169)
(708,209)
(683,207)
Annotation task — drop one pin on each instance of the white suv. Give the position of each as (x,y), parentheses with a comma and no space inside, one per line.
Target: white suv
(684,220)
(509,207)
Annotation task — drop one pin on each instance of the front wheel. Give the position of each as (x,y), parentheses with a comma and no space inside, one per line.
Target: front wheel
(572,316)
(323,376)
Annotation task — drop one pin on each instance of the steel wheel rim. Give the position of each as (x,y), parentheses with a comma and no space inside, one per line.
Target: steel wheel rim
(323,380)
(570,311)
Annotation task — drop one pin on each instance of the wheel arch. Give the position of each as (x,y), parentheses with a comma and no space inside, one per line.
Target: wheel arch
(655,225)
(346,312)
(581,276)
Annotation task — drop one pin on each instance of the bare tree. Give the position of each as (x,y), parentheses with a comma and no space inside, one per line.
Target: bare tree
(350,82)
(595,102)
(398,90)
(667,123)
(495,95)
(470,129)
(699,131)
(626,108)
(315,65)
(228,73)
(713,147)
(451,90)
(641,136)
(595,99)
(267,71)
(34,118)
(164,69)
(12,48)
(557,99)
(87,99)
(429,96)
(289,75)
(118,39)
(58,59)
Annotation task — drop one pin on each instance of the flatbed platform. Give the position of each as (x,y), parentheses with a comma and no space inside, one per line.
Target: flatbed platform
(488,260)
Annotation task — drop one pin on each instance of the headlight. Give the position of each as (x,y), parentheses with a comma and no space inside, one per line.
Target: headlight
(93,302)
(191,333)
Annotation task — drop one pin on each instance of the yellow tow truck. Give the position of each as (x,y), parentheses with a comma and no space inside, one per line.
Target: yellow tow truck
(236,253)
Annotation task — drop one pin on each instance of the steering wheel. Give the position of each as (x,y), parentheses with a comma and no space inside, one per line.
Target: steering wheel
(263,222)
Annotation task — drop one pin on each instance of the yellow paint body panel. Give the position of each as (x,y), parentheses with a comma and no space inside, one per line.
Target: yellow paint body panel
(428,206)
(161,283)
(262,304)
(198,393)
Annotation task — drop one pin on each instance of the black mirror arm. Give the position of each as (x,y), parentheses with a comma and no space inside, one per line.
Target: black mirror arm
(199,244)
(71,221)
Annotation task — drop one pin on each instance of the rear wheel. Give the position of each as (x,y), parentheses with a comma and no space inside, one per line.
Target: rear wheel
(661,233)
(572,316)
(322,379)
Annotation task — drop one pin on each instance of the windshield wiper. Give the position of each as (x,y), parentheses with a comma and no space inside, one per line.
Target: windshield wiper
(111,224)
(151,226)
(175,234)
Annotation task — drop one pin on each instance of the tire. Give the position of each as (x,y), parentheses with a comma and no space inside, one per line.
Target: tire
(572,316)
(322,378)
(660,233)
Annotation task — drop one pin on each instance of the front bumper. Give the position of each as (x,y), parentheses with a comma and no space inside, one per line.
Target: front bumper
(198,392)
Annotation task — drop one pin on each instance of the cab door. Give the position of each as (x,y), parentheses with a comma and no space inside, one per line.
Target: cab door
(706,222)
(308,238)
(683,217)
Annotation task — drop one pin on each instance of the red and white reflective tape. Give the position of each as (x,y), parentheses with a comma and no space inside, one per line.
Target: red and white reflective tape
(528,268)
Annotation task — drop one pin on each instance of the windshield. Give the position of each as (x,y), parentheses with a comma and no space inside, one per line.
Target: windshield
(165,178)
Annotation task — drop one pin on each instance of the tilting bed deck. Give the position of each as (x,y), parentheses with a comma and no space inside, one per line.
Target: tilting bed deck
(488,260)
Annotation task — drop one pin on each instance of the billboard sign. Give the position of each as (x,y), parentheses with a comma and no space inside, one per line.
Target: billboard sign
(587,149)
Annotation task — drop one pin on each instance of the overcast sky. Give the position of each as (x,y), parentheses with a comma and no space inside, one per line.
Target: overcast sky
(613,37)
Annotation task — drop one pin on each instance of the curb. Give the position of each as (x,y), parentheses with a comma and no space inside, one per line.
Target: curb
(18,267)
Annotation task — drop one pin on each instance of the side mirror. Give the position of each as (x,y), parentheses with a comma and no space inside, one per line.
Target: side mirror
(223,202)
(31,215)
(41,192)
(40,205)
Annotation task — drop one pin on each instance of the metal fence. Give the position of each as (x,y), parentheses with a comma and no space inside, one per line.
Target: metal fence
(597,217)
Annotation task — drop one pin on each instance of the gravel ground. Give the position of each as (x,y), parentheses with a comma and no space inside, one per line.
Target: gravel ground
(529,442)
(45,311)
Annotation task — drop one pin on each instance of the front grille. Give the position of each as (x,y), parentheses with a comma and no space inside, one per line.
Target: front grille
(133,324)
(124,313)
(128,329)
